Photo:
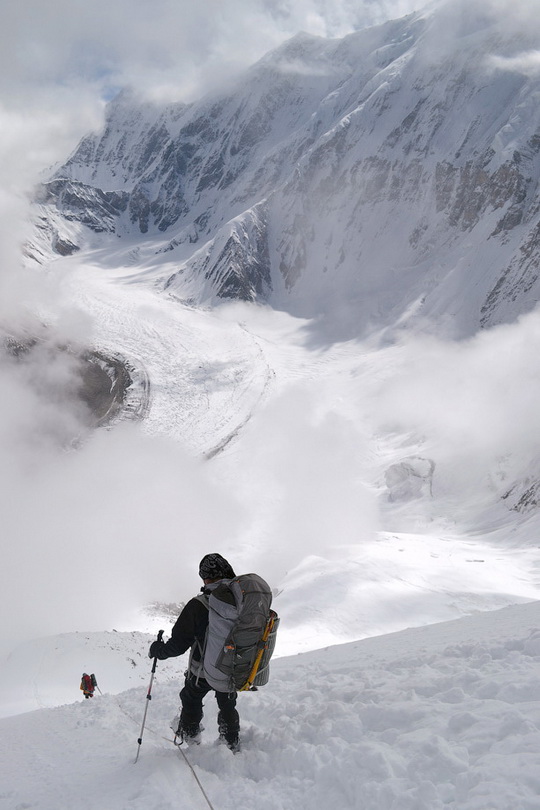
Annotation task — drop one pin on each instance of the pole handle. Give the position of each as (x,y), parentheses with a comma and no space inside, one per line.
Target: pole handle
(154,664)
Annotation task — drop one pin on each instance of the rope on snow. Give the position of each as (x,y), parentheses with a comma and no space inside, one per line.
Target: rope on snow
(168,739)
(190,766)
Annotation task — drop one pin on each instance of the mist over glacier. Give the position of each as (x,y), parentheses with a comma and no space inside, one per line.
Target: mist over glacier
(270,433)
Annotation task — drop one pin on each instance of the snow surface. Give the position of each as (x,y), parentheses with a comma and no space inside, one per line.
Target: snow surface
(445,716)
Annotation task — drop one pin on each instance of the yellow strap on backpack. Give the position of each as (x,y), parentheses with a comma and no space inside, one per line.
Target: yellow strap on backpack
(255,668)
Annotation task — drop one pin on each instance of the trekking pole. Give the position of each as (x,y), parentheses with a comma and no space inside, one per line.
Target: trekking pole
(148,698)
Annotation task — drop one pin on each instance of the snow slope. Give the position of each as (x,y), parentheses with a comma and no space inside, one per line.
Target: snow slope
(46,672)
(446,716)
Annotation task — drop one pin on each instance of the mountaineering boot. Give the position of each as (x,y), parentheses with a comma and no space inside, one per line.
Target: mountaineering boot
(189,734)
(232,741)
(234,745)
(229,737)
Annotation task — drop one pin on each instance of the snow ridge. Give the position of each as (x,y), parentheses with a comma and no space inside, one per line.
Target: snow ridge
(446,716)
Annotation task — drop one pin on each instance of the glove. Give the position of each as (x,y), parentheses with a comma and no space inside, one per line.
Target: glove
(155,648)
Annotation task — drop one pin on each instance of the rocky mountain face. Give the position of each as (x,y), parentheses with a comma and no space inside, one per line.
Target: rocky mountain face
(387,177)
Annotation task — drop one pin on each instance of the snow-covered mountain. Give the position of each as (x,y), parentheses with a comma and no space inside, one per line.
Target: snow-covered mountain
(387,176)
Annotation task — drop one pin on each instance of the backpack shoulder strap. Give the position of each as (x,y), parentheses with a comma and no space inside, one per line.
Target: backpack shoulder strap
(203,599)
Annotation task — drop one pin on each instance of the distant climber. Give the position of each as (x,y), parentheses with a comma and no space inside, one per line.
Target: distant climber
(88,685)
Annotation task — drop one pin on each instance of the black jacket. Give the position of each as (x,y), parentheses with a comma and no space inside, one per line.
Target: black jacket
(189,628)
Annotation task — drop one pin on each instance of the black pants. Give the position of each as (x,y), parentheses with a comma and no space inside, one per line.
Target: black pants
(192,708)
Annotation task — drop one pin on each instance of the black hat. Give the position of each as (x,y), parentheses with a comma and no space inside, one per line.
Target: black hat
(214,566)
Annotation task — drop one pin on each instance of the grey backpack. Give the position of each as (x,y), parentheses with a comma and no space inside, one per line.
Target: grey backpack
(241,634)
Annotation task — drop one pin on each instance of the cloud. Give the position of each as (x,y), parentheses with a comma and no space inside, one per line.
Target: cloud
(91,535)
(471,405)
(298,68)
(300,469)
(514,14)
(173,43)
(527,63)
(514,26)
